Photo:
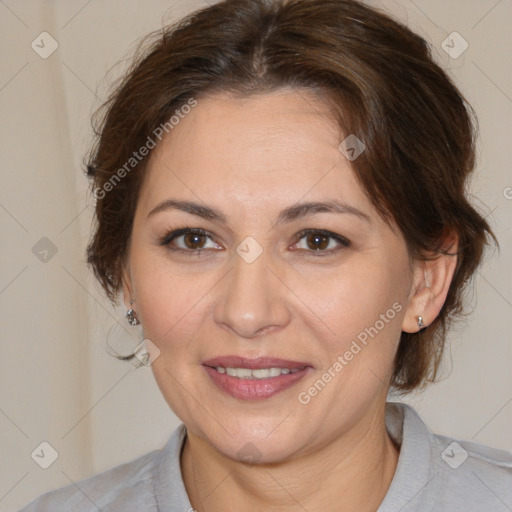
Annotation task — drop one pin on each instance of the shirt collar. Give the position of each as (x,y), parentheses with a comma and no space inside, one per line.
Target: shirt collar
(417,465)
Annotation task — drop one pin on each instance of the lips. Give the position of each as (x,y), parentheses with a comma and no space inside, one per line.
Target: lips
(224,372)
(254,364)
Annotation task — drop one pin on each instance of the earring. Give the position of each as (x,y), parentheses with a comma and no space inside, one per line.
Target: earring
(131,316)
(420,322)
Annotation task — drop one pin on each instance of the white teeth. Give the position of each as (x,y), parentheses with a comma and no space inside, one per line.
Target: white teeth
(259,373)
(263,373)
(243,373)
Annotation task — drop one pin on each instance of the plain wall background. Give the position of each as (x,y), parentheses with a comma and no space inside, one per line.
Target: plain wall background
(57,381)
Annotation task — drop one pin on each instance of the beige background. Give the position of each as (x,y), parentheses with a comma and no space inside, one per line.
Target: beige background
(58,383)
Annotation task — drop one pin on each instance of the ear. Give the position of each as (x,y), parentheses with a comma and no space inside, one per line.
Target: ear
(431,282)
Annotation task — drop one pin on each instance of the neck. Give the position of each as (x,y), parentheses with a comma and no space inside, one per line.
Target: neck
(352,472)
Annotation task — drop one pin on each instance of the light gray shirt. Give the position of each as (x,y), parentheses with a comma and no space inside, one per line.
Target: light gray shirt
(434,473)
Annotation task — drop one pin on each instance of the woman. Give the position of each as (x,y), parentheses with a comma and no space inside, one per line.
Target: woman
(281,201)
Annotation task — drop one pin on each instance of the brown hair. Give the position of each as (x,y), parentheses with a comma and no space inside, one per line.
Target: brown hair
(383,85)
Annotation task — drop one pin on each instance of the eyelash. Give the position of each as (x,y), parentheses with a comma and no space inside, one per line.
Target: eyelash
(342,241)
(170,237)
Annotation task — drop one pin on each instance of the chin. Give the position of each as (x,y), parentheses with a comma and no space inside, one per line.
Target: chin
(264,442)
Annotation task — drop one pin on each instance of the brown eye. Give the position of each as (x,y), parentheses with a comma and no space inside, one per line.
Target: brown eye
(320,241)
(317,241)
(194,240)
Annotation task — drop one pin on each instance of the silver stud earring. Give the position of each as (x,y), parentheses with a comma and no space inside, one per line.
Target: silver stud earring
(132,316)
(420,322)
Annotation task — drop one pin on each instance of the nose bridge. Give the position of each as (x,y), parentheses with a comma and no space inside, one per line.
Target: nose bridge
(251,302)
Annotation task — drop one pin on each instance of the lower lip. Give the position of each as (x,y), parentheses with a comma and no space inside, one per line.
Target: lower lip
(254,389)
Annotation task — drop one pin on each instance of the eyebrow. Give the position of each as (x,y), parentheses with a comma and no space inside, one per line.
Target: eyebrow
(287,215)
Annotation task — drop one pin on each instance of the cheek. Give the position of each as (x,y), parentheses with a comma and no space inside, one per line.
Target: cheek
(170,303)
(172,308)
(364,305)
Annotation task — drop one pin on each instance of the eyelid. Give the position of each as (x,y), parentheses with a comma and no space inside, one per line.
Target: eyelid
(341,240)
(176,233)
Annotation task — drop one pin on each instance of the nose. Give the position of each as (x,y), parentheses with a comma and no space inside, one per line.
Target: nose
(252,300)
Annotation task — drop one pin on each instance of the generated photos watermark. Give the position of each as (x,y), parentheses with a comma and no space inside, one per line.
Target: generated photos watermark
(343,360)
(145,149)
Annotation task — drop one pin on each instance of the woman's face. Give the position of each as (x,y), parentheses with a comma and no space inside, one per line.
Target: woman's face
(329,301)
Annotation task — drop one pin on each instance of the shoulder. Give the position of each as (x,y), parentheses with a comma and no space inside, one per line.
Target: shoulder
(450,473)
(125,487)
(473,473)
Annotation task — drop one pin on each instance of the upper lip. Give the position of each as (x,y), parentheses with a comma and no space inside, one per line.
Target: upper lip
(254,364)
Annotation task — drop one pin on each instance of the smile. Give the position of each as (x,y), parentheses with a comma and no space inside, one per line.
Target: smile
(254,383)
(259,373)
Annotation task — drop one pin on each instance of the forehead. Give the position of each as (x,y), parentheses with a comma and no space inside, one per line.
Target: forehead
(280,146)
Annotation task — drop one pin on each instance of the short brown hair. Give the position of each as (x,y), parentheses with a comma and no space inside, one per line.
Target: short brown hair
(382,83)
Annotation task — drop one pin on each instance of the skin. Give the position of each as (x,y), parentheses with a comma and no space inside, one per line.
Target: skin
(251,158)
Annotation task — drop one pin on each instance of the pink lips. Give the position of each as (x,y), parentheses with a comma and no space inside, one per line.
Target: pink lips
(252,388)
